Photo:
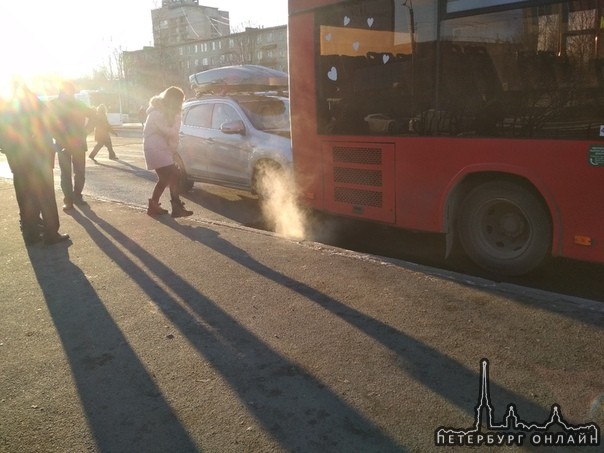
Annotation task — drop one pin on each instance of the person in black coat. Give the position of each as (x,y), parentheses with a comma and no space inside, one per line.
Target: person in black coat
(26,140)
(72,120)
(102,134)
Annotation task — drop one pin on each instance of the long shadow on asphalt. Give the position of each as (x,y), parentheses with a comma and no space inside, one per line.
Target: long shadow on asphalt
(241,208)
(432,368)
(292,405)
(129,168)
(400,247)
(573,278)
(120,399)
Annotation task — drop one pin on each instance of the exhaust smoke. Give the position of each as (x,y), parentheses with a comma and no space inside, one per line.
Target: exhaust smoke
(278,201)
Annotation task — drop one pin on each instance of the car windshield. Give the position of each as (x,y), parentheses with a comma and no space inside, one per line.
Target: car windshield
(267,114)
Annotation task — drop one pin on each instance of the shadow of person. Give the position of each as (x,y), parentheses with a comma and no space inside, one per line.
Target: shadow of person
(235,205)
(424,363)
(298,410)
(124,407)
(126,167)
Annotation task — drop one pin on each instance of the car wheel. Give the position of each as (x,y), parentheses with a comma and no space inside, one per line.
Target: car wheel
(504,228)
(184,183)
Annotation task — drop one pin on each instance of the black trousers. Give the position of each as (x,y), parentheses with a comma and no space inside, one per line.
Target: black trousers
(167,177)
(73,168)
(105,141)
(35,192)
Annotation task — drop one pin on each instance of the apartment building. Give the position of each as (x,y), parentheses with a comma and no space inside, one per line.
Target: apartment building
(190,38)
(260,46)
(151,69)
(181,21)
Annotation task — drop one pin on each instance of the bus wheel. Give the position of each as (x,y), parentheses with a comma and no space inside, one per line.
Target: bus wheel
(184,183)
(504,228)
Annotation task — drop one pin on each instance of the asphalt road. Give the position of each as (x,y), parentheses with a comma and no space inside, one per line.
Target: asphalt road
(127,181)
(162,335)
(142,344)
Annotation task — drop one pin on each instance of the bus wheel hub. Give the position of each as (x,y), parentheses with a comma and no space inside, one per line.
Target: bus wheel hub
(511,225)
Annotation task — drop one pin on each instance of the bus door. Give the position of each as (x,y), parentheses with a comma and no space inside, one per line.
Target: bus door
(359,179)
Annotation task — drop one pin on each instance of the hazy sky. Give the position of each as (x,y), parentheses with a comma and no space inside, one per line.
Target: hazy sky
(69,38)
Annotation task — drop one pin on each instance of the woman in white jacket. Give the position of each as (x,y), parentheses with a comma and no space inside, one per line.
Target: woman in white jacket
(160,142)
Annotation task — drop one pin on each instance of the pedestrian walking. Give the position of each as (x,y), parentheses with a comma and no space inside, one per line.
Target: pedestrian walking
(160,142)
(72,121)
(26,140)
(102,134)
(142,115)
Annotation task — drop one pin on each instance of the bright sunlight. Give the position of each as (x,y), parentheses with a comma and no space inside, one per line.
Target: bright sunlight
(46,40)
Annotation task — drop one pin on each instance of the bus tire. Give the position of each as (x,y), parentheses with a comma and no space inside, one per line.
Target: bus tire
(504,228)
(184,183)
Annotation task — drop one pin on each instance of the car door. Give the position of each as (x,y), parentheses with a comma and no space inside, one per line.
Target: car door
(195,139)
(228,159)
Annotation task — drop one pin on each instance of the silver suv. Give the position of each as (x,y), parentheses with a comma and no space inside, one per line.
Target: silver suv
(234,140)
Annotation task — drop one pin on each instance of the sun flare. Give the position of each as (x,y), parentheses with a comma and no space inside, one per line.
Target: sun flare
(69,39)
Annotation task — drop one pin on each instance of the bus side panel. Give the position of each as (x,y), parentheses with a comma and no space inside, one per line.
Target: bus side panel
(359,179)
(305,143)
(427,170)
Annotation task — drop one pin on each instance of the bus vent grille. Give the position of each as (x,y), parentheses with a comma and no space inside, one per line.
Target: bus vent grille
(358,197)
(350,155)
(357,176)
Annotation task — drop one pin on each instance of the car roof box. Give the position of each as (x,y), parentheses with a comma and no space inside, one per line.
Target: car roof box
(236,79)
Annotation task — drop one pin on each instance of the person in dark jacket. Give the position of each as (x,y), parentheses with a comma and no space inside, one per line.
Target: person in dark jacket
(102,134)
(72,120)
(26,140)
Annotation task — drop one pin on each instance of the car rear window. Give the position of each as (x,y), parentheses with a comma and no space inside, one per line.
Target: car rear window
(267,114)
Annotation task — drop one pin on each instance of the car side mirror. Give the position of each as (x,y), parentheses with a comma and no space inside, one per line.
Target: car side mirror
(233,127)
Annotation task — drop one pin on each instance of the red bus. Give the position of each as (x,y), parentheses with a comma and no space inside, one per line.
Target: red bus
(479,119)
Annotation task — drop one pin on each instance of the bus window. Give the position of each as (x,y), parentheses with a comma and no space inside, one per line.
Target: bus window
(454,6)
(531,72)
(370,53)
(498,71)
